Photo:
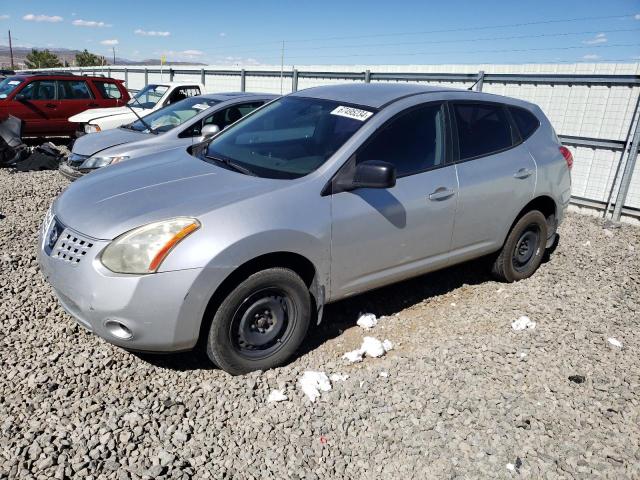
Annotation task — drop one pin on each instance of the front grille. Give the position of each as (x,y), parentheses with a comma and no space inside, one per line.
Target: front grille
(75,160)
(71,247)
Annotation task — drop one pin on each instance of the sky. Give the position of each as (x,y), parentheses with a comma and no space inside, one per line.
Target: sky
(374,32)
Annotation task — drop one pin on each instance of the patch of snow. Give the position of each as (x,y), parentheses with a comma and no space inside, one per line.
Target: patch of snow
(367,321)
(312,383)
(276,396)
(338,377)
(523,323)
(372,347)
(353,356)
(615,342)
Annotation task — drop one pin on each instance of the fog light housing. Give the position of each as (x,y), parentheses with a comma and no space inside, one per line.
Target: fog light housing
(118,330)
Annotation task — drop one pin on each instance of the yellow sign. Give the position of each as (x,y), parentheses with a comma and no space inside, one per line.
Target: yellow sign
(163,60)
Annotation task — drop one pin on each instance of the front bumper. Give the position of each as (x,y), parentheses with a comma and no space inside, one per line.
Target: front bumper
(69,172)
(161,311)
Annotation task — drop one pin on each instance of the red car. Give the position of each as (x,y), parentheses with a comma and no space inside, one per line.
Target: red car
(45,101)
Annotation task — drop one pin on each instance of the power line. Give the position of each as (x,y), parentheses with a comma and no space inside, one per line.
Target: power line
(425,32)
(442,42)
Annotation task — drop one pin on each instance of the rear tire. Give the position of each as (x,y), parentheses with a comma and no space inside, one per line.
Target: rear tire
(261,323)
(524,248)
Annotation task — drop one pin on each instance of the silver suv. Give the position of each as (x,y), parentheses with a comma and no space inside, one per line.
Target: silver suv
(237,244)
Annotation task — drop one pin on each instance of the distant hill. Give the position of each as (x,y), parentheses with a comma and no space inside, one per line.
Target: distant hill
(20,53)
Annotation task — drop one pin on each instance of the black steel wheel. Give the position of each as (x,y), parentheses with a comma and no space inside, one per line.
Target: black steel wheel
(261,323)
(523,249)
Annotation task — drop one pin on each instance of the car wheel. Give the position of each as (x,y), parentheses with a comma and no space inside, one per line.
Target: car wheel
(524,248)
(261,323)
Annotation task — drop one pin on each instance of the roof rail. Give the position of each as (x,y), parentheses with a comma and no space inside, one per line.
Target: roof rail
(48,72)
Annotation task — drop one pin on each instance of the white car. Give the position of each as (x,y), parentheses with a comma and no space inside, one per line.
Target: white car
(150,98)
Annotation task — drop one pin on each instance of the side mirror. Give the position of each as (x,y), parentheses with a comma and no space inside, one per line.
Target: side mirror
(374,174)
(210,130)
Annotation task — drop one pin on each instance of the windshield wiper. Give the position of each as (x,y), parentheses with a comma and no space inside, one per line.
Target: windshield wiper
(233,165)
(151,130)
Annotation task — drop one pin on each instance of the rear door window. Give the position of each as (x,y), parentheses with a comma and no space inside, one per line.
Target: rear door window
(526,122)
(108,90)
(224,118)
(483,129)
(73,90)
(413,142)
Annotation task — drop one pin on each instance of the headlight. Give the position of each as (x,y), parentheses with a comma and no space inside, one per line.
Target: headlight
(143,249)
(91,128)
(97,162)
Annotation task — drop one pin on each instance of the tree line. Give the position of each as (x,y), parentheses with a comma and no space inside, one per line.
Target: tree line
(47,59)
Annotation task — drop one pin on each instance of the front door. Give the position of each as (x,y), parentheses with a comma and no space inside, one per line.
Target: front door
(383,235)
(35,104)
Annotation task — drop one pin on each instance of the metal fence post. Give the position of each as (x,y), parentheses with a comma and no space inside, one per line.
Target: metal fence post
(126,78)
(625,182)
(294,80)
(202,76)
(171,74)
(146,76)
(480,81)
(109,72)
(367,76)
(243,80)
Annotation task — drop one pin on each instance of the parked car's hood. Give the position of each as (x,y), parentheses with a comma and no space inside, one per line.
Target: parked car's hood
(95,142)
(115,199)
(95,113)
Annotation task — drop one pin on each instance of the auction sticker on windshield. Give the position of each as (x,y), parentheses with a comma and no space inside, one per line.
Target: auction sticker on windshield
(200,106)
(351,112)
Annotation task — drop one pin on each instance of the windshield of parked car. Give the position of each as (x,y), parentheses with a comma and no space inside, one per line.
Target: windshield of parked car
(173,115)
(8,85)
(288,138)
(148,96)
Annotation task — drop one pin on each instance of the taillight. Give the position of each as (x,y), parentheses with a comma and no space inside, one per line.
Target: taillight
(566,153)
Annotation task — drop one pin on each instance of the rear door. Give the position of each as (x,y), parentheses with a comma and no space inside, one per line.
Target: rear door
(74,96)
(382,235)
(496,174)
(35,103)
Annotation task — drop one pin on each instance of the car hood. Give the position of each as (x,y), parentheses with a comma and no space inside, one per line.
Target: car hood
(95,142)
(115,199)
(95,113)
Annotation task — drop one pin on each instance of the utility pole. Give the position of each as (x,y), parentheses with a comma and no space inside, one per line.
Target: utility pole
(10,49)
(114,55)
(281,67)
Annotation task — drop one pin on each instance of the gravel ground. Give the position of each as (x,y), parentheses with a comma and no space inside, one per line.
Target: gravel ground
(465,395)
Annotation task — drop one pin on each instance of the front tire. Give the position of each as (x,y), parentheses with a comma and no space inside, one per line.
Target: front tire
(261,323)
(524,248)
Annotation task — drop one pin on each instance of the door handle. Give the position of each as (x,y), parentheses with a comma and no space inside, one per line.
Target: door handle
(523,173)
(50,105)
(441,193)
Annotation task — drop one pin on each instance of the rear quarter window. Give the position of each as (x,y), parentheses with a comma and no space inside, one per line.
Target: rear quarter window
(108,90)
(526,121)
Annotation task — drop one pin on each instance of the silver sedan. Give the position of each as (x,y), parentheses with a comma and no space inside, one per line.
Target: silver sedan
(179,124)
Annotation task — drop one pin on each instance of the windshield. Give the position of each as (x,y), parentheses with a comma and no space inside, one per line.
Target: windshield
(148,96)
(173,115)
(288,138)
(8,85)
